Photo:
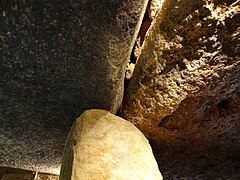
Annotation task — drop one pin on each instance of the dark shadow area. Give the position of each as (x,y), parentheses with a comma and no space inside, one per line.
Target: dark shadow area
(207,152)
(20,174)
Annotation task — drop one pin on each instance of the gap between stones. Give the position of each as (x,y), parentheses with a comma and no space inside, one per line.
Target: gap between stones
(145,25)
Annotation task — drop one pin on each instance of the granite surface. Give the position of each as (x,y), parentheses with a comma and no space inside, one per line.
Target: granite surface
(57,59)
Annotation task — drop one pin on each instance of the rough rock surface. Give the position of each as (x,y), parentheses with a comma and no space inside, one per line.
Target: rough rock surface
(185,90)
(153,8)
(59,58)
(103,146)
(207,151)
(187,54)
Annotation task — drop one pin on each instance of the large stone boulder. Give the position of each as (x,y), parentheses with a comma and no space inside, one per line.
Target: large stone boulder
(185,90)
(189,61)
(59,58)
(103,146)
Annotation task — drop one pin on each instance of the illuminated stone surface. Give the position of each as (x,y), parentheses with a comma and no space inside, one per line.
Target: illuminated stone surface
(187,54)
(103,146)
(59,58)
(153,8)
(185,90)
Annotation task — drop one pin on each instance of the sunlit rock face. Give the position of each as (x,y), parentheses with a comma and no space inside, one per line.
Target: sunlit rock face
(185,90)
(189,54)
(59,58)
(103,146)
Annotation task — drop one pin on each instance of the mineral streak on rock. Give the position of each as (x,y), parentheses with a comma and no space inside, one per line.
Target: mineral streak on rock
(59,58)
(190,52)
(103,146)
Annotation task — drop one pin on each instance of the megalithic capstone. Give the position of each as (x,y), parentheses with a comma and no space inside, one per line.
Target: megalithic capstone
(57,59)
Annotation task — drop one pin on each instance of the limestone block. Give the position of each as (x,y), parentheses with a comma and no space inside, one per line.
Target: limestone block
(103,146)
(59,58)
(188,70)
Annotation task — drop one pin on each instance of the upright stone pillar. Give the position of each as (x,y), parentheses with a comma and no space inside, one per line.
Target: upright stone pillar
(103,146)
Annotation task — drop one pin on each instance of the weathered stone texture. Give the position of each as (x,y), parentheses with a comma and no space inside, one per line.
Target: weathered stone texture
(185,90)
(59,58)
(188,52)
(103,146)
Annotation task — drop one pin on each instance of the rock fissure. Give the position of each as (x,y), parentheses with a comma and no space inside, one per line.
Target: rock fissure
(149,15)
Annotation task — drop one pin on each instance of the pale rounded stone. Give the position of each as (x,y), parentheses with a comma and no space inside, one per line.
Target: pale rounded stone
(101,145)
